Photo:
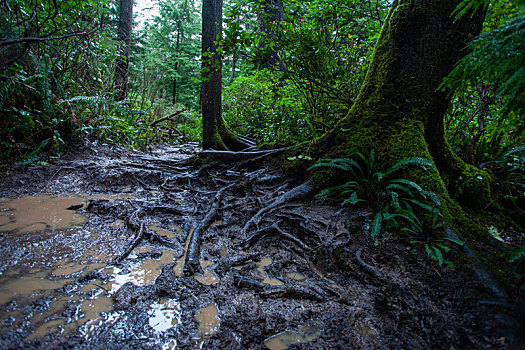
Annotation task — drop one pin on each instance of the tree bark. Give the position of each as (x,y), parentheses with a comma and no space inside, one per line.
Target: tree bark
(398,111)
(270,14)
(215,132)
(177,49)
(125,24)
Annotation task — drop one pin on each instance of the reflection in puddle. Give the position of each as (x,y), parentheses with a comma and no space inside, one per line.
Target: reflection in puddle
(266,261)
(143,273)
(164,315)
(304,334)
(37,213)
(208,318)
(48,258)
(295,276)
(164,232)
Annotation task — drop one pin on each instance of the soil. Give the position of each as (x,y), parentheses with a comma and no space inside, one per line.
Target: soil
(93,247)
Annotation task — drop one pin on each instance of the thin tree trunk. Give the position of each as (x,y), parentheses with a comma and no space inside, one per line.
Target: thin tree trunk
(124,35)
(215,132)
(270,14)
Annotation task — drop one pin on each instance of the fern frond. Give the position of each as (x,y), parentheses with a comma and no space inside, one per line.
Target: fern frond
(344,164)
(407,183)
(413,161)
(376,225)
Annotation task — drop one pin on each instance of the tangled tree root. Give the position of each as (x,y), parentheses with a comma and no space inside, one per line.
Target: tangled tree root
(299,192)
(274,228)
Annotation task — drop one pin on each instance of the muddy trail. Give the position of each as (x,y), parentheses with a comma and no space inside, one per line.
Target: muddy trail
(111,249)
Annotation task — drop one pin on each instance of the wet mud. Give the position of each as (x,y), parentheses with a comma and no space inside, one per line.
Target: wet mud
(92,250)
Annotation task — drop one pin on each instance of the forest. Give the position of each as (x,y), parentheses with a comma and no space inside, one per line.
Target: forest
(247,174)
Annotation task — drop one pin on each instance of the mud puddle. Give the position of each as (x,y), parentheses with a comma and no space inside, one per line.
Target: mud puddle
(51,224)
(304,334)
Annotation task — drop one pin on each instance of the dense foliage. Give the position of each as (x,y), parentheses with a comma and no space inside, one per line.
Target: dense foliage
(57,65)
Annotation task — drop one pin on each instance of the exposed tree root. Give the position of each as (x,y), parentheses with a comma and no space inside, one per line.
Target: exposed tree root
(192,260)
(234,157)
(136,240)
(294,291)
(274,228)
(225,264)
(299,192)
(368,268)
(256,236)
(481,273)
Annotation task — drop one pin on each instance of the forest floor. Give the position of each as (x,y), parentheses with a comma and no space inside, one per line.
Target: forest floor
(92,248)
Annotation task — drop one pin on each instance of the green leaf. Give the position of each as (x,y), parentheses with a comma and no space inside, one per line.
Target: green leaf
(455,240)
(439,256)
(376,225)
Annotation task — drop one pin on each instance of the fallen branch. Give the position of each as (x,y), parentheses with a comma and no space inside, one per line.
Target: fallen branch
(192,260)
(299,192)
(158,121)
(368,268)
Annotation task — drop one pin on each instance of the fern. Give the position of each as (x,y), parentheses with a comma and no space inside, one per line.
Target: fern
(497,57)
(392,200)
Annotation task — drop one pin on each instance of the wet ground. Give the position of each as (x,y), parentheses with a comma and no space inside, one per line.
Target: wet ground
(92,250)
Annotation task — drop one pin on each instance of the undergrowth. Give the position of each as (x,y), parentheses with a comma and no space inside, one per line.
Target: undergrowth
(398,206)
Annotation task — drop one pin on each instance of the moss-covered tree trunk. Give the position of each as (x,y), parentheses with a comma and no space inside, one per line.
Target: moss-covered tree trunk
(398,111)
(215,132)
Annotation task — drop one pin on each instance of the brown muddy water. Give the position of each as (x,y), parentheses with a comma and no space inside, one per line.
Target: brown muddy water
(45,271)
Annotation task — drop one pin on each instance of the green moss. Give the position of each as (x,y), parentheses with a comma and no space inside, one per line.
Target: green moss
(214,141)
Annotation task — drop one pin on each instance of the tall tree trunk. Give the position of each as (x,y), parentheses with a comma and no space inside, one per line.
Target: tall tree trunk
(398,111)
(270,14)
(215,132)
(177,47)
(125,24)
